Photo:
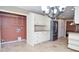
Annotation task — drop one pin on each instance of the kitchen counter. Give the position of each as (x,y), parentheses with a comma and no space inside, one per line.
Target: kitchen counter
(73,40)
(74,32)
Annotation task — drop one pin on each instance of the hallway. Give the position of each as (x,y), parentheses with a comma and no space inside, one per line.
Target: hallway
(57,46)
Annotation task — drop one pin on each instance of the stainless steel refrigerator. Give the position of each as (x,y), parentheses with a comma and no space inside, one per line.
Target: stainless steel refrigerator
(53,30)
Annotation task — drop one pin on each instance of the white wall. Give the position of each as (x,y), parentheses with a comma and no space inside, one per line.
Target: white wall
(61,28)
(30,28)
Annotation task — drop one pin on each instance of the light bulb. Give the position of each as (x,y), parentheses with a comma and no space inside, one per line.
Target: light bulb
(44,8)
(55,11)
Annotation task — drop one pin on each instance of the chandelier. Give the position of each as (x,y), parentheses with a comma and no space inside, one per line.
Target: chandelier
(53,11)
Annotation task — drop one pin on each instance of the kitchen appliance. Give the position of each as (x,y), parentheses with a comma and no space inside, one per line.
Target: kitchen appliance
(53,30)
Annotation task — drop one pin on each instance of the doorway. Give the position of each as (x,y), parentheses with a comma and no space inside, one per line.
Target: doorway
(13,27)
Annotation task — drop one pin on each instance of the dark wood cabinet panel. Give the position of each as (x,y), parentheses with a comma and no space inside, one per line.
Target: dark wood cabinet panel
(22,26)
(70,27)
(9,28)
(0,28)
(10,24)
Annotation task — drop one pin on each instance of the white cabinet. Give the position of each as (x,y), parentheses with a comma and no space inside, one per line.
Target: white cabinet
(39,19)
(42,24)
(76,17)
(73,41)
(40,37)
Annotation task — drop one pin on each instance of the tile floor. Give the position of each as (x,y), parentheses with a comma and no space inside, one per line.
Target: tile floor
(59,45)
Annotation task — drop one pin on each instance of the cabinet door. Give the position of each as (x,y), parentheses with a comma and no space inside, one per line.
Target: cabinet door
(12,26)
(39,19)
(22,26)
(0,28)
(9,25)
(69,27)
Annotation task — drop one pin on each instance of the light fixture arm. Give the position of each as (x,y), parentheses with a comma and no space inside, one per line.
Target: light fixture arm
(53,12)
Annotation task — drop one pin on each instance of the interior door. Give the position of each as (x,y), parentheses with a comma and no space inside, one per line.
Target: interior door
(9,25)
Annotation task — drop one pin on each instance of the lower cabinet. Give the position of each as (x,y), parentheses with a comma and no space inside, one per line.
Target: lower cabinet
(73,41)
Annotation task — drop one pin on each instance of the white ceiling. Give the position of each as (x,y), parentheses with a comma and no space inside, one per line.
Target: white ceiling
(36,9)
(68,13)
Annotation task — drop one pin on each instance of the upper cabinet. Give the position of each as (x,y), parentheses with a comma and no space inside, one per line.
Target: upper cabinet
(39,19)
(76,17)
